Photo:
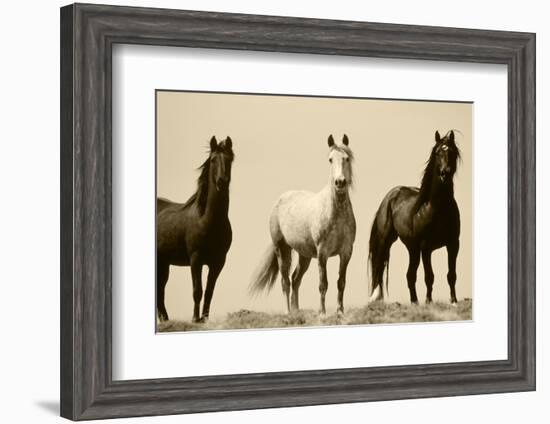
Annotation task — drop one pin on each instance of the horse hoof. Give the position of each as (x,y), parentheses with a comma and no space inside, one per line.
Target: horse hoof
(428,301)
(204,319)
(376,295)
(340,313)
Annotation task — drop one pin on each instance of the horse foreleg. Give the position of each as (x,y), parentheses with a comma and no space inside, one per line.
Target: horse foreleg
(323,282)
(414,261)
(301,268)
(452,253)
(344,260)
(428,273)
(213,273)
(196,275)
(162,278)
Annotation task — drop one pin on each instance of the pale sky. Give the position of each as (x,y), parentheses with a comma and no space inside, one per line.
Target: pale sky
(280,144)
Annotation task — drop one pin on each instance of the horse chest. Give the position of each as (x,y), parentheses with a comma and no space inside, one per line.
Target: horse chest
(336,234)
(209,239)
(442,230)
(435,227)
(334,242)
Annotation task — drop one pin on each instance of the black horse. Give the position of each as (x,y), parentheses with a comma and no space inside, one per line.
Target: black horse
(424,219)
(197,232)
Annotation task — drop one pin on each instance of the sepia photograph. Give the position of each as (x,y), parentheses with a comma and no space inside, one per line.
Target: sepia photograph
(280,211)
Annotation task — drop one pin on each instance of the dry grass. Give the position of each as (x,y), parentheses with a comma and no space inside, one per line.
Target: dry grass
(374,313)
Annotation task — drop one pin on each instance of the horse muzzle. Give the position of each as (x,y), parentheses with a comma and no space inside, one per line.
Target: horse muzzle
(445,174)
(340,185)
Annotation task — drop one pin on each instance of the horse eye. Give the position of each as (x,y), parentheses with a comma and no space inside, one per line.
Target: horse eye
(330,160)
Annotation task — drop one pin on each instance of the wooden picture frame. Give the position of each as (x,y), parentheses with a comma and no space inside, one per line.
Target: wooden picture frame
(88,33)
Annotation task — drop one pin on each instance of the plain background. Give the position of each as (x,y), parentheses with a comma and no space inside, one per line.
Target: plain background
(29,172)
(280,143)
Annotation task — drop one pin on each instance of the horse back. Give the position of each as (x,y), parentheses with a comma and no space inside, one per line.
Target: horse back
(163,203)
(171,243)
(422,224)
(182,231)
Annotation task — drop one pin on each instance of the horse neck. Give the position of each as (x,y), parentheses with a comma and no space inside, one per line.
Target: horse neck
(441,194)
(217,203)
(336,204)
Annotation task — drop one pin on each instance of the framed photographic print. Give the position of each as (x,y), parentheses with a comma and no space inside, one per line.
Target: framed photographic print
(326,211)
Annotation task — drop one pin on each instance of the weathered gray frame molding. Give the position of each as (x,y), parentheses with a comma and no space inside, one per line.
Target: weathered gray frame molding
(88,33)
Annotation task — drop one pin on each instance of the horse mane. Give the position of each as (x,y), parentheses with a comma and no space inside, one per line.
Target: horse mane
(427,179)
(427,175)
(201,194)
(343,148)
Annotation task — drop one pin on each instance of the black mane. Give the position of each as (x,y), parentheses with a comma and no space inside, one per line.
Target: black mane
(427,179)
(200,196)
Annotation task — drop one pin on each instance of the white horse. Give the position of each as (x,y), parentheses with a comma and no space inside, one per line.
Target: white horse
(315,225)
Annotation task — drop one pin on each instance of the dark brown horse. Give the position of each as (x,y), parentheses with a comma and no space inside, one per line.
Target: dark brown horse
(197,232)
(424,219)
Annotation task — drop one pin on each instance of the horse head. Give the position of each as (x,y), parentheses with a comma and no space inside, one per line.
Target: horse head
(221,158)
(445,155)
(340,158)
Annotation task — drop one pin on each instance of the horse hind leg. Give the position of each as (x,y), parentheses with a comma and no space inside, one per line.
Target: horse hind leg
(297,275)
(284,257)
(428,273)
(163,271)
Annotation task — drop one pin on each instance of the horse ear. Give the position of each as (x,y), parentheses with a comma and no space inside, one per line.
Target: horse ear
(330,141)
(452,136)
(213,143)
(345,140)
(437,137)
(228,142)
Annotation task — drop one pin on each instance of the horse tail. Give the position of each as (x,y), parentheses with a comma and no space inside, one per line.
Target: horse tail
(382,236)
(265,274)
